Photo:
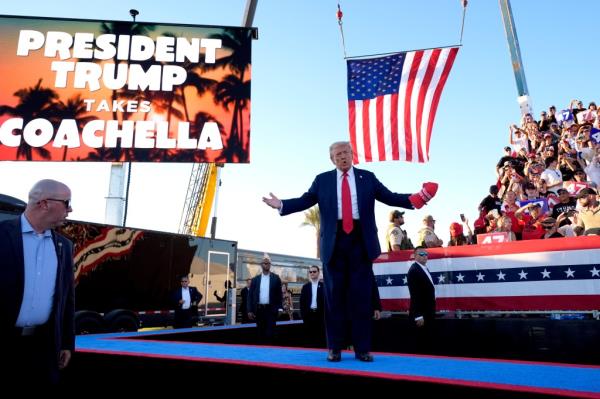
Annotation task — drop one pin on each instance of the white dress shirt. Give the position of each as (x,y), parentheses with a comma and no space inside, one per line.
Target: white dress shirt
(353,197)
(265,281)
(313,301)
(185,295)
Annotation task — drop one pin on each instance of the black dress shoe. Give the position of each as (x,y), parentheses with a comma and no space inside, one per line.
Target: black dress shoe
(334,356)
(364,357)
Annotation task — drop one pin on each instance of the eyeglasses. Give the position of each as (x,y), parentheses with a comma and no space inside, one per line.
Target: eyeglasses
(313,271)
(422,253)
(66,202)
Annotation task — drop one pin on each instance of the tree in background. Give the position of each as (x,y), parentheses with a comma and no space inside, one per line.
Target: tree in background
(312,217)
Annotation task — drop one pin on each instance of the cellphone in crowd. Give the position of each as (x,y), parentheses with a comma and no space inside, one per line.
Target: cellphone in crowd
(462,217)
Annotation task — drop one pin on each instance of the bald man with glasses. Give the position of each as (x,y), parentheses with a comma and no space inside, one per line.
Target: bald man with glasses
(36,289)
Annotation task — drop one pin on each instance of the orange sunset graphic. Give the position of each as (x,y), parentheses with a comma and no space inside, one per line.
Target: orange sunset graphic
(55,106)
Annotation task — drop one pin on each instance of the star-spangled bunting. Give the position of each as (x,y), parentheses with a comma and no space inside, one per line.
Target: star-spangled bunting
(538,273)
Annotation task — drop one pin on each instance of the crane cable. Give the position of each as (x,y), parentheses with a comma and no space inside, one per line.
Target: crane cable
(462,27)
(340,14)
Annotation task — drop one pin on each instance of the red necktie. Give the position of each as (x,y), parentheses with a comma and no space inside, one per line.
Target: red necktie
(346,205)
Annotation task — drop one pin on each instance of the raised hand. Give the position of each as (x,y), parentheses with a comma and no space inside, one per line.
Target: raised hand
(418,200)
(273,202)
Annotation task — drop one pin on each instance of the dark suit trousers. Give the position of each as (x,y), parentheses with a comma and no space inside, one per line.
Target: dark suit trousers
(348,284)
(30,360)
(424,337)
(185,318)
(266,318)
(314,324)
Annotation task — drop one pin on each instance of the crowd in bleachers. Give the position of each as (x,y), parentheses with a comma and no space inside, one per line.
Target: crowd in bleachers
(547,177)
(546,181)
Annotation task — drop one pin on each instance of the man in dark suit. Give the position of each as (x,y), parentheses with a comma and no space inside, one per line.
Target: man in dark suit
(377,308)
(312,308)
(422,300)
(349,243)
(264,301)
(244,301)
(36,289)
(186,300)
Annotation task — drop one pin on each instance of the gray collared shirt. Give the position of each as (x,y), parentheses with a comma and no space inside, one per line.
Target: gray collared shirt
(41,265)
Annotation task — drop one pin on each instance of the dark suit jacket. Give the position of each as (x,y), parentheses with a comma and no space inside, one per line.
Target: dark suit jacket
(12,284)
(275,296)
(306,298)
(375,298)
(324,192)
(195,297)
(422,293)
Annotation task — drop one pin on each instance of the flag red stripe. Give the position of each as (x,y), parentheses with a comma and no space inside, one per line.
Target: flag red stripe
(438,93)
(366,133)
(379,122)
(352,124)
(407,109)
(421,100)
(394,126)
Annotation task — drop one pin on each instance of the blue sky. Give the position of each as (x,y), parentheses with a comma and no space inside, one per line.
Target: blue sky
(299,105)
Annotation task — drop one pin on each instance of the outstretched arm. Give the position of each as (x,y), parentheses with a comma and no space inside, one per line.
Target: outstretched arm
(273,202)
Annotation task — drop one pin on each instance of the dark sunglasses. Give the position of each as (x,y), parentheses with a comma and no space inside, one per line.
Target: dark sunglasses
(313,271)
(422,253)
(66,202)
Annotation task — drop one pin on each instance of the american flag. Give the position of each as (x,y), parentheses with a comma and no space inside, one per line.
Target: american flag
(392,102)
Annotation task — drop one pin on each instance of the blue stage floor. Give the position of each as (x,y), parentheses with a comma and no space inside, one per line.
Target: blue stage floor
(569,380)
